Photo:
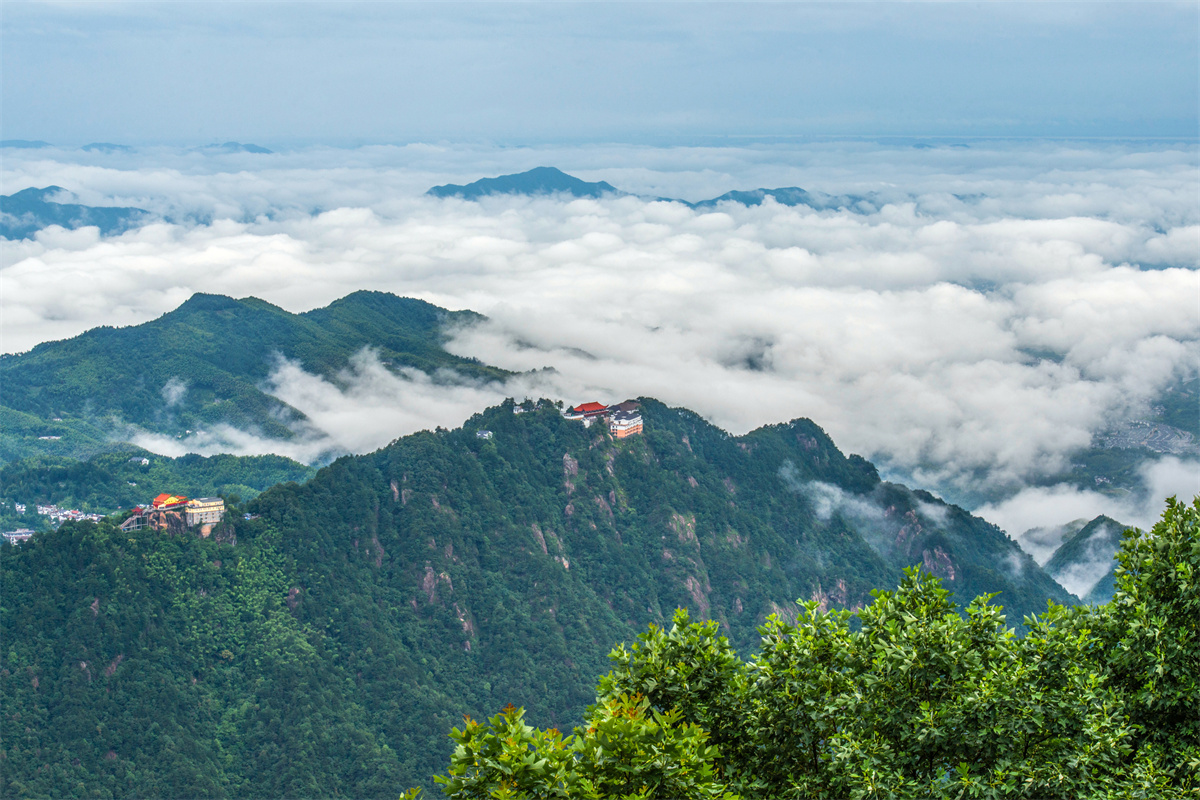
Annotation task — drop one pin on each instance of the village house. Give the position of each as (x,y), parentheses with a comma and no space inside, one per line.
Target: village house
(18,536)
(60,515)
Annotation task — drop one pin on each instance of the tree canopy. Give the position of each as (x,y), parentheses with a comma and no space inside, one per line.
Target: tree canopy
(906,698)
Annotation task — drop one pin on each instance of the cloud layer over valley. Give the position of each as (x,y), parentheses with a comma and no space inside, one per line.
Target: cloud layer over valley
(1006,305)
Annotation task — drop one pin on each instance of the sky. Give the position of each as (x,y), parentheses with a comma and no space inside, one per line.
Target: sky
(286,74)
(1028,280)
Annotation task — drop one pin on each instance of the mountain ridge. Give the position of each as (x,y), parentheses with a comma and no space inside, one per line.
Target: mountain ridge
(342,632)
(24,213)
(541,181)
(204,363)
(1084,564)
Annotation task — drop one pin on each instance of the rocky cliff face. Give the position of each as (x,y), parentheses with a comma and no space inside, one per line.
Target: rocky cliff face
(547,543)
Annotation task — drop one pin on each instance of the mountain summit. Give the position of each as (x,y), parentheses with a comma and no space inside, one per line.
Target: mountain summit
(537,181)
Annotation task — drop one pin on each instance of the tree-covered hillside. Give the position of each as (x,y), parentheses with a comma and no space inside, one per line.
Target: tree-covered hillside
(113,481)
(916,701)
(1084,564)
(24,213)
(205,364)
(352,624)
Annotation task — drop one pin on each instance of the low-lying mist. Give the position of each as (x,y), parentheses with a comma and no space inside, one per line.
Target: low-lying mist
(1007,303)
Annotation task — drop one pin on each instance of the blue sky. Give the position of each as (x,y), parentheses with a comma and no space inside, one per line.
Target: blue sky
(287,74)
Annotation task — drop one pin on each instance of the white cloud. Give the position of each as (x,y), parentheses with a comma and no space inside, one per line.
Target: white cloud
(1035,507)
(988,321)
(174,390)
(1092,563)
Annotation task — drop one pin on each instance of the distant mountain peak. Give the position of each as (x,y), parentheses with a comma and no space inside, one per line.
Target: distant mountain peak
(107,147)
(202,301)
(1084,564)
(34,193)
(237,147)
(795,196)
(537,181)
(24,144)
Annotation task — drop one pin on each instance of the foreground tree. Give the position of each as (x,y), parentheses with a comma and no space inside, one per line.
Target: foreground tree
(627,750)
(1148,648)
(917,700)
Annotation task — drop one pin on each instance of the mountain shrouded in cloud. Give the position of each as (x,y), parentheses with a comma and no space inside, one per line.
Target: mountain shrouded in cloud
(28,211)
(238,147)
(537,181)
(1002,313)
(209,364)
(549,180)
(1084,563)
(795,196)
(24,144)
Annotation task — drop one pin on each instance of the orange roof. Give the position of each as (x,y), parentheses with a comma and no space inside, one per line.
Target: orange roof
(586,407)
(165,499)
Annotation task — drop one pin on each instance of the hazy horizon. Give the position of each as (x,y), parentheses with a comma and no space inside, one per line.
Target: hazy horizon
(651,73)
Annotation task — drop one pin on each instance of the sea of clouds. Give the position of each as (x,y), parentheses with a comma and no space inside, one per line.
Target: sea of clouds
(1008,302)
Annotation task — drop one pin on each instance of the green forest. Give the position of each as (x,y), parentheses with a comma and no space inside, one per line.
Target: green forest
(110,482)
(916,699)
(205,364)
(327,645)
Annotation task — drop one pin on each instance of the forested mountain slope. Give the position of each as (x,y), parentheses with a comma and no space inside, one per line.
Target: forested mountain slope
(1084,564)
(24,213)
(205,364)
(118,480)
(328,646)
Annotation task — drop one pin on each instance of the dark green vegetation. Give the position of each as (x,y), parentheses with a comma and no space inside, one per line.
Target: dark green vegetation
(114,481)
(920,701)
(28,211)
(143,665)
(350,627)
(1179,406)
(205,364)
